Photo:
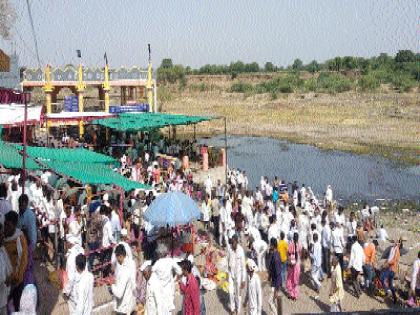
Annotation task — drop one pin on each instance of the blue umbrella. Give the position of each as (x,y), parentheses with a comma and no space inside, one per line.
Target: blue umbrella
(173,208)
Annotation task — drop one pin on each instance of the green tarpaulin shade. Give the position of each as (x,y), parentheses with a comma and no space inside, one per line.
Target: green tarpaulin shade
(148,121)
(94,174)
(67,155)
(11,158)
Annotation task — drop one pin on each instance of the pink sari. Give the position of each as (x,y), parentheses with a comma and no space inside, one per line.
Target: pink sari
(293,270)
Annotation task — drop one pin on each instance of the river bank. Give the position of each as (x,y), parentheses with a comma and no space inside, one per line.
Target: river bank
(384,123)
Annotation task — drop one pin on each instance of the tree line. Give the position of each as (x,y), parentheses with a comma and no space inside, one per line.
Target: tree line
(401,70)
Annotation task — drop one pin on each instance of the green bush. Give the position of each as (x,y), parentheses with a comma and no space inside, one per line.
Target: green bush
(311,85)
(402,82)
(334,83)
(368,83)
(241,87)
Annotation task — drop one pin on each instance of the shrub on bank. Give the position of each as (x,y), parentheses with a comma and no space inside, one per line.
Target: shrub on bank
(368,83)
(241,87)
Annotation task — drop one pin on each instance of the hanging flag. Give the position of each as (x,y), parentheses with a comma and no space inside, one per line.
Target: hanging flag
(79,53)
(106,59)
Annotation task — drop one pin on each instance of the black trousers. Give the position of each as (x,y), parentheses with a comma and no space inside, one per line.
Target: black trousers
(216,230)
(340,261)
(326,260)
(15,295)
(106,259)
(354,283)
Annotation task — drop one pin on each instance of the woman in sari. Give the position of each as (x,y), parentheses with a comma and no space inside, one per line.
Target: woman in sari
(293,267)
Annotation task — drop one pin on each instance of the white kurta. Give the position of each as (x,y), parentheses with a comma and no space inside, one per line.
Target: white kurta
(84,294)
(237,275)
(70,288)
(123,289)
(164,268)
(254,295)
(154,297)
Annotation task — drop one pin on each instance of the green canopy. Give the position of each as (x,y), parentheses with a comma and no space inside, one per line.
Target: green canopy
(94,174)
(148,121)
(67,155)
(11,158)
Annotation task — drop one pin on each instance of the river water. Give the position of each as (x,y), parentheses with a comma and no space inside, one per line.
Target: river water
(353,177)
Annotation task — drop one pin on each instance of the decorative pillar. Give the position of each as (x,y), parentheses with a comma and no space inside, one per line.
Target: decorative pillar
(149,84)
(48,89)
(106,88)
(80,89)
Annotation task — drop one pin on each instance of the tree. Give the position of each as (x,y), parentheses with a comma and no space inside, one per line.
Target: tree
(238,67)
(269,67)
(313,66)
(297,64)
(349,63)
(166,63)
(251,67)
(405,56)
(7,18)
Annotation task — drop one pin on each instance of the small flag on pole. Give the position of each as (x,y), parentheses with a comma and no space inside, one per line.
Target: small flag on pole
(79,53)
(106,59)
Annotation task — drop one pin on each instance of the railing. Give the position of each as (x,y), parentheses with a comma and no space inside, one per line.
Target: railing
(69,73)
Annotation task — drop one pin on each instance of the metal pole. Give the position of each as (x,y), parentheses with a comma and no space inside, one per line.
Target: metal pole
(24,145)
(226,159)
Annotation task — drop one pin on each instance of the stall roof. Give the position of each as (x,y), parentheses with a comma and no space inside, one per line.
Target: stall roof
(14,114)
(82,165)
(148,121)
(81,156)
(11,158)
(94,174)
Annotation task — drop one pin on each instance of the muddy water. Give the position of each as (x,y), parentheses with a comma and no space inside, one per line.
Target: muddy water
(353,177)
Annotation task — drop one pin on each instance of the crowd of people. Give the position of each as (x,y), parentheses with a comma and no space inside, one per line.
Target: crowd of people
(279,228)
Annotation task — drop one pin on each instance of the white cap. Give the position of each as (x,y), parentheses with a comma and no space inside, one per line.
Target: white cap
(190,258)
(105,197)
(145,265)
(124,232)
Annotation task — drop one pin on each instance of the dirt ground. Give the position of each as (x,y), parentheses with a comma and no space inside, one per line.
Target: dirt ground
(383,122)
(51,301)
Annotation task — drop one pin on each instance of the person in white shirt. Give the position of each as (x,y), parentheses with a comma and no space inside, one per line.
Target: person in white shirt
(107,239)
(253,297)
(351,226)
(262,184)
(206,211)
(123,289)
(82,296)
(304,227)
(154,292)
(246,181)
(383,234)
(337,243)
(5,205)
(316,258)
(164,268)
(273,230)
(70,287)
(260,248)
(116,225)
(236,274)
(208,184)
(357,258)
(258,196)
(328,196)
(128,251)
(326,247)
(339,217)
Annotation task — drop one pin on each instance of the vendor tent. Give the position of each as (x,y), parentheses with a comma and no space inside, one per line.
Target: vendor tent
(148,121)
(14,114)
(11,158)
(67,155)
(94,174)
